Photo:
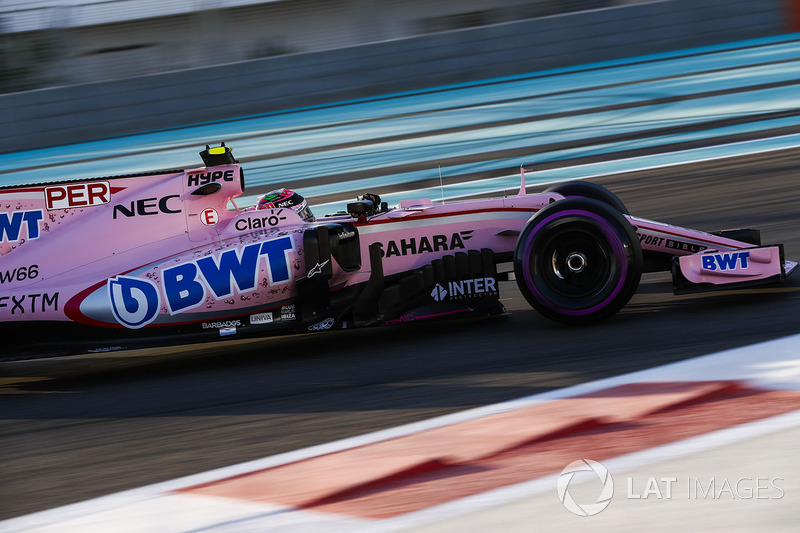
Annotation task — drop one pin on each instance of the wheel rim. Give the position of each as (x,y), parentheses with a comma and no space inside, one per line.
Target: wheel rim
(574,263)
(597,257)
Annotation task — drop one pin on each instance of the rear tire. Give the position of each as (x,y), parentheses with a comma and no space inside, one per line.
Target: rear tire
(578,261)
(587,189)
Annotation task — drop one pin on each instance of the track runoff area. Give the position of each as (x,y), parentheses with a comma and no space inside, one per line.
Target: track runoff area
(663,447)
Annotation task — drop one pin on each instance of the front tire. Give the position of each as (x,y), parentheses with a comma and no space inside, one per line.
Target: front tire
(578,261)
(588,189)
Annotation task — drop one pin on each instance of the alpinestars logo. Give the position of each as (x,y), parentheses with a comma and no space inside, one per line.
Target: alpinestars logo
(436,243)
(317,269)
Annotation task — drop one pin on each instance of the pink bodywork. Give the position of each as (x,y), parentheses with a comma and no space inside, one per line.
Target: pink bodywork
(62,243)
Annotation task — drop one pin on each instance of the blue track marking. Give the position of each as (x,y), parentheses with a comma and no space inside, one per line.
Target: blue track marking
(577,105)
(511,183)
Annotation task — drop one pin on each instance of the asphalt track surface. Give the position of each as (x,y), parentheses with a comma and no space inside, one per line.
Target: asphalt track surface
(82,427)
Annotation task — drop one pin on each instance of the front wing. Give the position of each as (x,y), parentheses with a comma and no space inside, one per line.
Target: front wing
(717,270)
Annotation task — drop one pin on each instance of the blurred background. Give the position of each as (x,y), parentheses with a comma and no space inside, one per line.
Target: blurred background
(120,66)
(338,97)
(60,42)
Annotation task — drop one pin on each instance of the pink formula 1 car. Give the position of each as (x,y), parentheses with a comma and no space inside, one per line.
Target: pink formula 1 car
(164,257)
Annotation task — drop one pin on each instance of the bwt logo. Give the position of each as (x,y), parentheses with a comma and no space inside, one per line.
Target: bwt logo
(185,284)
(724,262)
(11,225)
(134,301)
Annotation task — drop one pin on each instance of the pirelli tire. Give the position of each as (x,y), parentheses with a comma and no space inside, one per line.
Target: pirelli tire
(587,189)
(578,261)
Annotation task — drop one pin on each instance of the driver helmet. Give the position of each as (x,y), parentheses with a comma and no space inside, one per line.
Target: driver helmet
(283,198)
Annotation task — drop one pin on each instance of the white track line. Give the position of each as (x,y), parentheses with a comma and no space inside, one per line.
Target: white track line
(579,172)
(620,464)
(772,364)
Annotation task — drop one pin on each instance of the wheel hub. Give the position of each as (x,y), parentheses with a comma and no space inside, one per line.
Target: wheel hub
(576,262)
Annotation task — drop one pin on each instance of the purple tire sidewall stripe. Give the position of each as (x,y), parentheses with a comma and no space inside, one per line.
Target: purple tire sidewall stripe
(613,240)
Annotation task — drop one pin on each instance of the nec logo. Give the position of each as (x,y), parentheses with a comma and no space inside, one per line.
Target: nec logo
(725,261)
(77,195)
(148,206)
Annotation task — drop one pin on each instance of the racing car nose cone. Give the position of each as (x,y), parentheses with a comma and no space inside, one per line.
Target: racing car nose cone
(576,262)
